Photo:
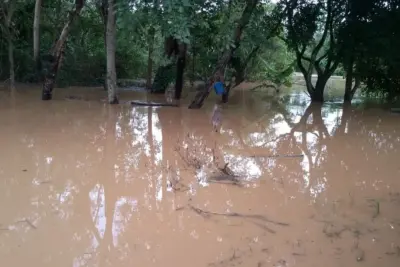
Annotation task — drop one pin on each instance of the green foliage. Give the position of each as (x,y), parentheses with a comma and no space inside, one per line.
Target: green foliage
(363,36)
(379,62)
(275,63)
(207,26)
(85,61)
(303,23)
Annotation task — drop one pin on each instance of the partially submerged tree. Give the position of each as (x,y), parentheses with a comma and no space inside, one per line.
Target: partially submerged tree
(102,8)
(373,29)
(36,35)
(56,53)
(352,40)
(151,38)
(265,24)
(226,57)
(312,34)
(111,48)
(7,9)
(174,65)
(176,23)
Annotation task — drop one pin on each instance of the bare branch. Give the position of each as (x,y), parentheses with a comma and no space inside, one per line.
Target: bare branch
(325,33)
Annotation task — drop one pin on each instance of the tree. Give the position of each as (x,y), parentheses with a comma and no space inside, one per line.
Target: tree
(312,34)
(151,39)
(102,7)
(56,54)
(373,31)
(7,9)
(226,57)
(176,24)
(111,48)
(175,53)
(257,41)
(36,35)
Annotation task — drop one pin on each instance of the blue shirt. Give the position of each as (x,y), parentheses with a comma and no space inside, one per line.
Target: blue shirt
(219,88)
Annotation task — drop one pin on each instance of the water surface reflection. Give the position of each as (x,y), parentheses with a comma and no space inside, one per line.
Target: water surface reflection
(267,182)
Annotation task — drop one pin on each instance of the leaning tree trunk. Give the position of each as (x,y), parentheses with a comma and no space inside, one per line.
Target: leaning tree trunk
(36,37)
(111,48)
(227,55)
(57,52)
(240,71)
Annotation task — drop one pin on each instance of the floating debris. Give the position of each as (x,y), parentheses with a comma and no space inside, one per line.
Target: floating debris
(360,255)
(376,205)
(152,104)
(278,156)
(27,221)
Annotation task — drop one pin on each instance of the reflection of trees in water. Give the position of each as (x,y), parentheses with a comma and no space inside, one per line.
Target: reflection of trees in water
(351,147)
(309,136)
(335,143)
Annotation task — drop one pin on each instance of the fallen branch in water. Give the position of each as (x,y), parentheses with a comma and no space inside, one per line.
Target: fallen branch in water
(27,221)
(278,156)
(208,214)
(152,104)
(263,85)
(225,179)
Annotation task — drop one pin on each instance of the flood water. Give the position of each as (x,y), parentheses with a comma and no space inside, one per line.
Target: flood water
(262,181)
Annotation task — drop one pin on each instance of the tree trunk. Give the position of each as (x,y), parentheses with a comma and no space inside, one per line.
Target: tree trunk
(57,52)
(349,78)
(227,55)
(111,48)
(8,13)
(348,94)
(102,7)
(11,62)
(192,77)
(150,58)
(36,37)
(165,74)
(317,95)
(240,71)
(351,89)
(180,68)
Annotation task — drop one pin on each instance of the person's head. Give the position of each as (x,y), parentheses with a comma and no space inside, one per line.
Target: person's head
(218,76)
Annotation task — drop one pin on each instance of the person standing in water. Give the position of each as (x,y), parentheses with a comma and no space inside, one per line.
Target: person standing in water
(219,89)
(219,86)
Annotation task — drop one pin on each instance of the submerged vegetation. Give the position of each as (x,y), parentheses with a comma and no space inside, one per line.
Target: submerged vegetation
(64,42)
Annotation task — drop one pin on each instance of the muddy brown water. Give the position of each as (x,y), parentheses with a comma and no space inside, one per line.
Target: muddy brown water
(263,181)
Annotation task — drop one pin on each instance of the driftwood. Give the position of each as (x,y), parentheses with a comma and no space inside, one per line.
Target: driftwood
(152,104)
(263,85)
(278,156)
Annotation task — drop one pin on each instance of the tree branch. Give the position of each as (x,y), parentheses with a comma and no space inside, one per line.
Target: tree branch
(251,55)
(325,33)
